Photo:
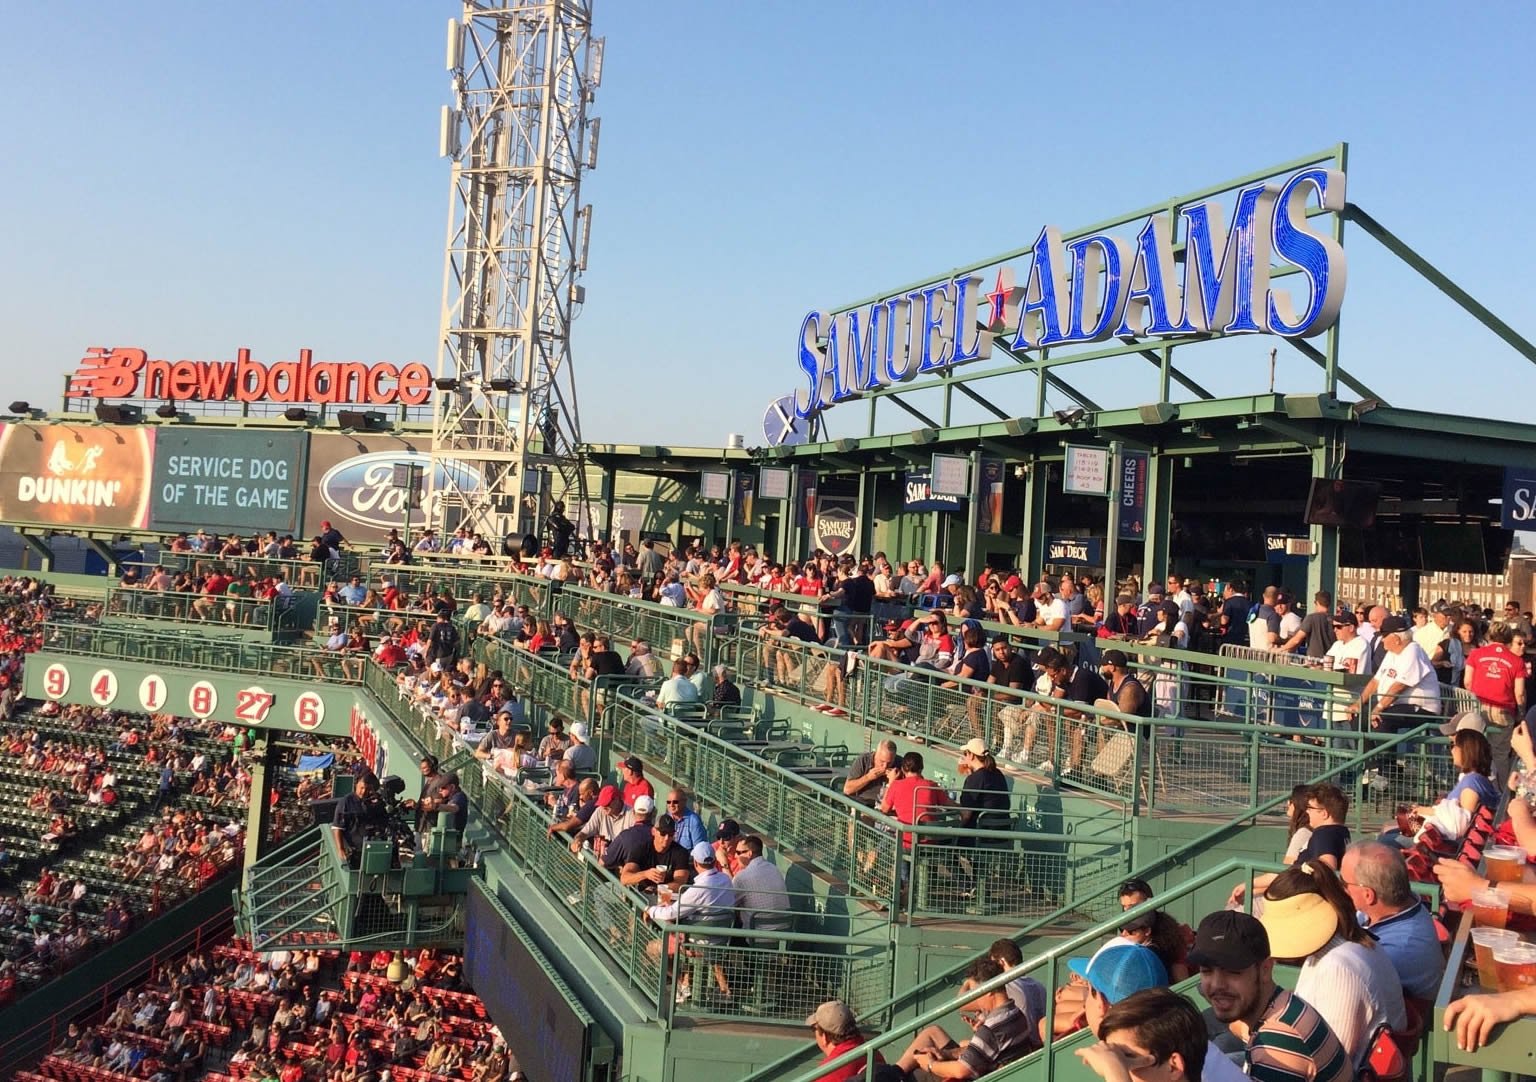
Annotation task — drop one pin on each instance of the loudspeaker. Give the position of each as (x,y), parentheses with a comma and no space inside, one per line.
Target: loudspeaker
(1157,413)
(352,418)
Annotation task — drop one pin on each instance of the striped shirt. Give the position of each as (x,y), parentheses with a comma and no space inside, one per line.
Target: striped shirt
(1003,1036)
(1294,1044)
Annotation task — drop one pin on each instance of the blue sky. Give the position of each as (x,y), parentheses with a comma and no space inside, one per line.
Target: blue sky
(197,177)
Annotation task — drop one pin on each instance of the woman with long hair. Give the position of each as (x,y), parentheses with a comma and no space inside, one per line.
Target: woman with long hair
(1472,756)
(1344,976)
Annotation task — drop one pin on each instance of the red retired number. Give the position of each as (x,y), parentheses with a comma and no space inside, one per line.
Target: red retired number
(252,704)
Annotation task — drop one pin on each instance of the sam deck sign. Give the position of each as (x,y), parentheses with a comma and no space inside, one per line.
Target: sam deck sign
(1099,287)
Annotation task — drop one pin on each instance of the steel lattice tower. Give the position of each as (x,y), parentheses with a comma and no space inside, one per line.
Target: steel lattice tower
(524,73)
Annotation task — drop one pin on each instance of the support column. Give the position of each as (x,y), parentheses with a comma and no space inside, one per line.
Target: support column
(1323,564)
(37,545)
(972,514)
(605,499)
(258,817)
(1154,549)
(1032,533)
(864,540)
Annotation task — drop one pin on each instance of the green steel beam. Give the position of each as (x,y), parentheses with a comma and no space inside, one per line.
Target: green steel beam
(1319,358)
(915,412)
(1174,374)
(1440,281)
(985,403)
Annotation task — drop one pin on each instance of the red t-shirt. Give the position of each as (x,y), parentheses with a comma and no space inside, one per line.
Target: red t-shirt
(911,800)
(1493,671)
(636,789)
(847,1071)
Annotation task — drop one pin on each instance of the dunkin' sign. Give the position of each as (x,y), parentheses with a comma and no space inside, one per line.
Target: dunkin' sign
(85,476)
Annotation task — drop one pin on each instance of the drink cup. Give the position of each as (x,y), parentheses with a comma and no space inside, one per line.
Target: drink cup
(1484,942)
(1516,964)
(1490,909)
(665,894)
(1504,863)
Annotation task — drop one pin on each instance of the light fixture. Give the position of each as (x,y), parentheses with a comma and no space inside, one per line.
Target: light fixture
(1071,416)
(1019,426)
(117,415)
(295,413)
(167,410)
(21,407)
(1359,409)
(1157,413)
(446,383)
(501,384)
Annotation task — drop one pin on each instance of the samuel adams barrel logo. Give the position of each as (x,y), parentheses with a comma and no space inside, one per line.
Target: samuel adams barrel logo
(362,489)
(835,529)
(76,475)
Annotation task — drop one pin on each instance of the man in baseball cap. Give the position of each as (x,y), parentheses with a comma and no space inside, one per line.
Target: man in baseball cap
(1405,692)
(836,1031)
(1285,1035)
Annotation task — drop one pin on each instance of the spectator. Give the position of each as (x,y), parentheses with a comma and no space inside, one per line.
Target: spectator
(1284,1038)
(1000,1034)
(577,816)
(762,898)
(1376,878)
(912,798)
(1027,994)
(1326,807)
(836,1032)
(1452,816)
(647,854)
(1156,1034)
(1308,916)
(708,901)
(871,772)
(581,755)
(1495,673)
(1068,683)
(690,828)
(678,688)
(984,795)
(1404,692)
(605,822)
(1472,1018)
(632,771)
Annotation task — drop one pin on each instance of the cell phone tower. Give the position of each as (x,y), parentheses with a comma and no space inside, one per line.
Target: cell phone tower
(506,434)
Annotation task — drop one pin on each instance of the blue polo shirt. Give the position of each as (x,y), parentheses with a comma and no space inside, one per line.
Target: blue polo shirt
(1411,944)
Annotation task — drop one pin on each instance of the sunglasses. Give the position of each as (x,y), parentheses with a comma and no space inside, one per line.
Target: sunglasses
(673,803)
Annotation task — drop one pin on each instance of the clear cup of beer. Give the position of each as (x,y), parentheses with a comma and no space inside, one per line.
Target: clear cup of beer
(1504,863)
(1484,942)
(1516,964)
(1490,908)
(665,894)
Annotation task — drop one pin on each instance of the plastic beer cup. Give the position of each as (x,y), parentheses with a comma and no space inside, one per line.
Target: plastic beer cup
(1516,964)
(1484,942)
(1490,908)
(1504,863)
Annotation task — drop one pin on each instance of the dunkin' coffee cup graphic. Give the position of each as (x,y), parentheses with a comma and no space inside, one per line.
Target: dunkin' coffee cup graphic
(76,475)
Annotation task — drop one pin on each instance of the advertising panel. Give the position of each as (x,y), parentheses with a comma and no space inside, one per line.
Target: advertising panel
(746,483)
(919,496)
(1519,510)
(989,495)
(246,481)
(352,483)
(837,524)
(1133,494)
(81,476)
(1076,551)
(1086,472)
(549,1039)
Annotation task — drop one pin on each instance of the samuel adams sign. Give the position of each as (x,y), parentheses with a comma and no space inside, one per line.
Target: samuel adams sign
(837,526)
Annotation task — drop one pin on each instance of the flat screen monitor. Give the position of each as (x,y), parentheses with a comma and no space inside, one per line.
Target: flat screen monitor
(1342,503)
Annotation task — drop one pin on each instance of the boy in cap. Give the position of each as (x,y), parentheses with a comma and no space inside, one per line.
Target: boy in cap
(1285,1038)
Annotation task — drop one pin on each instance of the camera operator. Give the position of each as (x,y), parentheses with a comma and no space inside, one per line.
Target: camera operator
(361,815)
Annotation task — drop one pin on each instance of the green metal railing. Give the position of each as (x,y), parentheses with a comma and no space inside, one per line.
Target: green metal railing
(188,648)
(946,871)
(670,631)
(1048,968)
(298,573)
(255,614)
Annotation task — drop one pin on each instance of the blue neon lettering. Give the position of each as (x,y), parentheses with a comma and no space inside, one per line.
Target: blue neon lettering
(1044,295)
(1319,257)
(1230,296)
(1151,283)
(935,316)
(1089,255)
(967,326)
(811,358)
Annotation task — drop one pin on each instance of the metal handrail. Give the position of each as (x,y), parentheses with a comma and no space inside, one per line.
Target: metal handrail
(1173,858)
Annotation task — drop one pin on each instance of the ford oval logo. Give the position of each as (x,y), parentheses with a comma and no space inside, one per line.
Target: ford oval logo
(362,489)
